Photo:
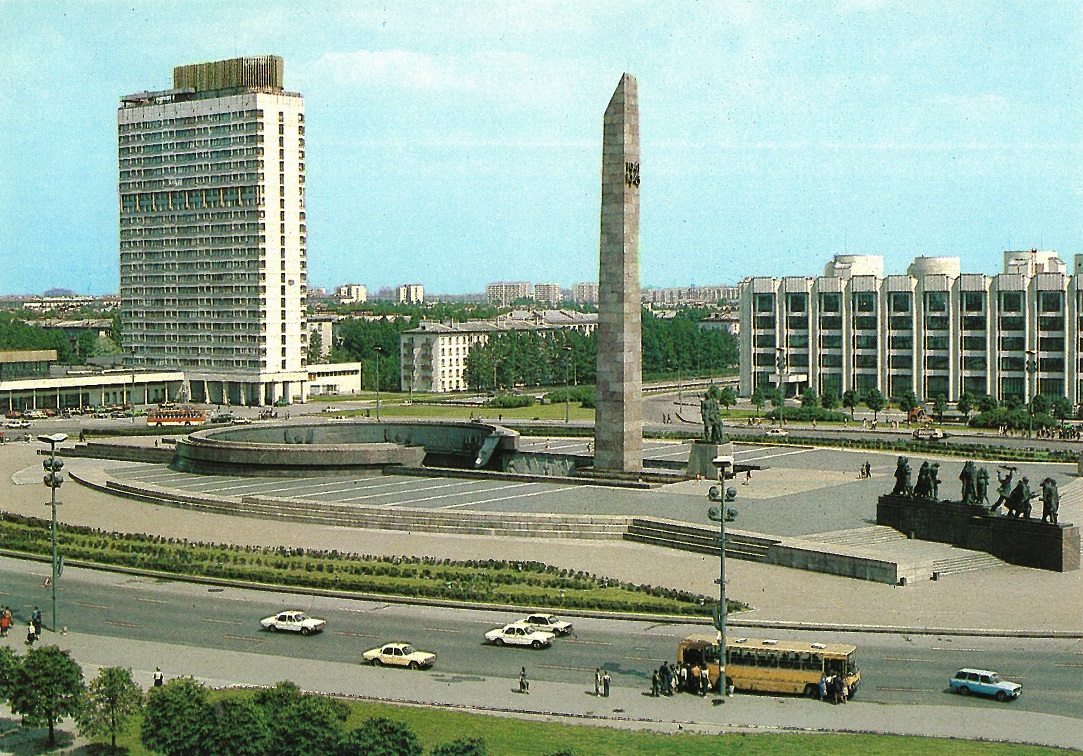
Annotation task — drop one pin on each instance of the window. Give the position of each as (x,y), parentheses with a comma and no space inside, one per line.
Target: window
(865,301)
(1049,301)
(974,343)
(973,323)
(1012,343)
(1011,301)
(936,362)
(974,363)
(830,302)
(831,322)
(905,341)
(899,301)
(936,342)
(936,301)
(831,341)
(973,301)
(764,303)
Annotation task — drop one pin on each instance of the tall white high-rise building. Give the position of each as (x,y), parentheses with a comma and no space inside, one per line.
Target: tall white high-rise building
(213,273)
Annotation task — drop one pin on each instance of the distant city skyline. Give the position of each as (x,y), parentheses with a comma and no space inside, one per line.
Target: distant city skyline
(459,150)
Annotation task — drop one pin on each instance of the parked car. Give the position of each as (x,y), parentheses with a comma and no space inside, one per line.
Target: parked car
(985,683)
(399,655)
(18,423)
(519,635)
(242,421)
(293,621)
(547,623)
(929,434)
(776,432)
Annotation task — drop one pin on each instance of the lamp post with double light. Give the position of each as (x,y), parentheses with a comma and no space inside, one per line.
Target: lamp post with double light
(53,479)
(379,350)
(721,514)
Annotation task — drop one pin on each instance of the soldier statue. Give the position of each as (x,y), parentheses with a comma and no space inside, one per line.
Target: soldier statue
(981,487)
(902,479)
(1050,501)
(969,480)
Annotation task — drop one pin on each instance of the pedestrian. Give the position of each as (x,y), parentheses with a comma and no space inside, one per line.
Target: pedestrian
(748,476)
(606,680)
(31,634)
(654,683)
(35,618)
(705,681)
(159,678)
(524,686)
(597,680)
(5,622)
(823,686)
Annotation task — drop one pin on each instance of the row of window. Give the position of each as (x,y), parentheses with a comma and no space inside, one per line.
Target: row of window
(902,301)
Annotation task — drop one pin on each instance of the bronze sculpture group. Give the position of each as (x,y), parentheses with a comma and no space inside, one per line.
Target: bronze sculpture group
(975,489)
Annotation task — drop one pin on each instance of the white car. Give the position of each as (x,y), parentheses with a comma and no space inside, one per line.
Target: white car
(929,434)
(776,432)
(399,655)
(519,635)
(547,623)
(297,622)
(18,423)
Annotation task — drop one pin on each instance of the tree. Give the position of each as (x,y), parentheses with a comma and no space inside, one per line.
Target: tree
(48,686)
(727,397)
(9,665)
(940,403)
(301,722)
(315,347)
(235,727)
(112,699)
(778,401)
(461,747)
(850,400)
(1062,408)
(965,405)
(830,400)
(759,399)
(380,737)
(987,403)
(874,400)
(907,402)
(1039,404)
(809,399)
(173,718)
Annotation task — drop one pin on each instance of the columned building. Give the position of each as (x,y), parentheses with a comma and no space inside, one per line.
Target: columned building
(935,330)
(212,231)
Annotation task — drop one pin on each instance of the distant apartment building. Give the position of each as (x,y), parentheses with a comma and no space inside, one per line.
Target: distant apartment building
(352,293)
(935,330)
(433,355)
(503,293)
(213,234)
(585,292)
(548,292)
(322,326)
(411,294)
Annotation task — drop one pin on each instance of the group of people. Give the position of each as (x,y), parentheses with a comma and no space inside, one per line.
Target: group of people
(669,679)
(865,471)
(33,625)
(833,688)
(602,681)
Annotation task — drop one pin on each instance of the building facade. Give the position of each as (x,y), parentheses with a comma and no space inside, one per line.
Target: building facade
(352,293)
(213,232)
(935,330)
(585,292)
(548,292)
(411,294)
(503,293)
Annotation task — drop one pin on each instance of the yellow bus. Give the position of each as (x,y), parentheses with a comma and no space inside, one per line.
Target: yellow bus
(772,666)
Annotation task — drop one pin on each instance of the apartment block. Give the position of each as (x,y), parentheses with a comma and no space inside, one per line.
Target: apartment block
(585,292)
(503,293)
(548,292)
(934,330)
(411,294)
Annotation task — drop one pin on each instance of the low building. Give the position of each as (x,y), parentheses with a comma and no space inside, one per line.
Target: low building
(340,379)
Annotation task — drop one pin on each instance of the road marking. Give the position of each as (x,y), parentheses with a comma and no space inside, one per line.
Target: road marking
(902,658)
(500,498)
(248,638)
(1070,665)
(352,634)
(222,622)
(587,643)
(781,454)
(961,650)
(442,630)
(90,606)
(574,669)
(118,623)
(906,690)
(150,601)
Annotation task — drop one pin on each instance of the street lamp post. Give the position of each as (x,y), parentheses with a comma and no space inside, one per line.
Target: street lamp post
(53,479)
(721,514)
(132,397)
(379,350)
(1032,368)
(780,363)
(567,401)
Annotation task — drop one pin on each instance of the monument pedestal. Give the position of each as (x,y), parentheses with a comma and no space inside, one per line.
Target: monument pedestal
(1029,543)
(702,455)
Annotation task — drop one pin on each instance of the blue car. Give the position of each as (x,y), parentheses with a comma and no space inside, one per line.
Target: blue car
(985,683)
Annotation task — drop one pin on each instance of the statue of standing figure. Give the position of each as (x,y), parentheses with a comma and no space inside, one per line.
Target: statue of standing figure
(981,487)
(1050,501)
(710,411)
(969,478)
(1004,490)
(902,479)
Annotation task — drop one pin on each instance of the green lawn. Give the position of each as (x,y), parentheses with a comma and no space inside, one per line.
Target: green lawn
(515,737)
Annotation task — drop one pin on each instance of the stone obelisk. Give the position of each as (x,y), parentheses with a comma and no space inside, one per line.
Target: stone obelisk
(618,427)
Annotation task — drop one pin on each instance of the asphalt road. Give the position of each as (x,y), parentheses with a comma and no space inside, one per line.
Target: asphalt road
(895,669)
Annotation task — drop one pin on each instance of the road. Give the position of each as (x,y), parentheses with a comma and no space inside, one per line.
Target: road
(895,669)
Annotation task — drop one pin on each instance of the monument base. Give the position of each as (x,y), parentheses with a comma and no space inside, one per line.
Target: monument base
(702,455)
(1028,543)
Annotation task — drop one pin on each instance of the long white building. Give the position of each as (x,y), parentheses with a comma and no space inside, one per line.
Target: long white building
(212,231)
(935,330)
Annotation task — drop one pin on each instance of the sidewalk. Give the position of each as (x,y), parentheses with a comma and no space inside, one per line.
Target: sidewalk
(625,708)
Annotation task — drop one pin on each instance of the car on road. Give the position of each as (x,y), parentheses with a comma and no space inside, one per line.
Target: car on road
(985,683)
(18,423)
(399,655)
(929,434)
(547,623)
(782,432)
(294,622)
(519,635)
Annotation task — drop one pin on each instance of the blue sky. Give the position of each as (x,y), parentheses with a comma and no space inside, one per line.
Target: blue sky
(456,144)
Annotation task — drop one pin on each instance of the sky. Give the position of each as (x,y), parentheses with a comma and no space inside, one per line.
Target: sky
(455,144)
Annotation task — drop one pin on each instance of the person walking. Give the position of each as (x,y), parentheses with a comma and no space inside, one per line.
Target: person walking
(597,680)
(5,622)
(35,617)
(31,633)
(654,684)
(159,678)
(606,680)
(705,681)
(524,685)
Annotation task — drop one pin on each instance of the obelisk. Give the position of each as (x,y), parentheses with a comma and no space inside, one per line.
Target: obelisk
(618,426)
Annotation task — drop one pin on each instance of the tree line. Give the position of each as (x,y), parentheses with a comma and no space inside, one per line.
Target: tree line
(183,718)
